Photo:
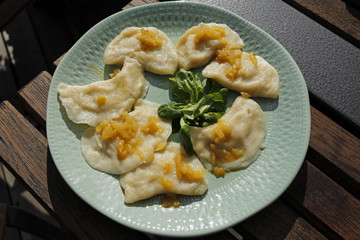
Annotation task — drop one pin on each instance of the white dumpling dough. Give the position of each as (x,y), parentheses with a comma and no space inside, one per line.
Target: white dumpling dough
(258,81)
(247,124)
(102,155)
(160,60)
(192,54)
(121,92)
(146,180)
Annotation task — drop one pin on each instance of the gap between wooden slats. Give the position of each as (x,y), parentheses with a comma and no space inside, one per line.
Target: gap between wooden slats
(24,150)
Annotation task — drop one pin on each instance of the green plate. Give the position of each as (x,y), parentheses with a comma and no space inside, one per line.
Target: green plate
(228,200)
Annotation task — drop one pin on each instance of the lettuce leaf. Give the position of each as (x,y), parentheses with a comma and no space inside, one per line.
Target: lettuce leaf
(193,104)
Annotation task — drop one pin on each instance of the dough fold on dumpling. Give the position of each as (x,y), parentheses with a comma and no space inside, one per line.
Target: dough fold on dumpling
(142,135)
(197,46)
(235,140)
(103,100)
(149,45)
(259,79)
(171,171)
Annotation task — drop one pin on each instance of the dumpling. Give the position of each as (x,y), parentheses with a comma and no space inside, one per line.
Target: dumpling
(149,45)
(197,46)
(120,145)
(103,100)
(244,72)
(235,140)
(171,171)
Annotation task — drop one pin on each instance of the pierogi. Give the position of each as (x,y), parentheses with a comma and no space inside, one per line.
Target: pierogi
(171,171)
(244,72)
(122,144)
(235,140)
(197,46)
(104,100)
(150,46)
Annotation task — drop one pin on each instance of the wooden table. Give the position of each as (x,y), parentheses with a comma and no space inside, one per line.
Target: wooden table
(322,202)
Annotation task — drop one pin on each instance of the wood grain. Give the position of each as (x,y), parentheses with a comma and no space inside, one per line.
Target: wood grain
(23,149)
(34,97)
(324,203)
(344,19)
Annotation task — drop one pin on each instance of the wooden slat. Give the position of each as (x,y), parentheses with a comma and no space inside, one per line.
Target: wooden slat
(136,3)
(339,148)
(324,203)
(24,150)
(343,20)
(14,150)
(278,221)
(58,60)
(9,9)
(34,97)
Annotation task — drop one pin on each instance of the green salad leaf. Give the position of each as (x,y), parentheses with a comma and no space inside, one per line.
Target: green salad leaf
(193,104)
